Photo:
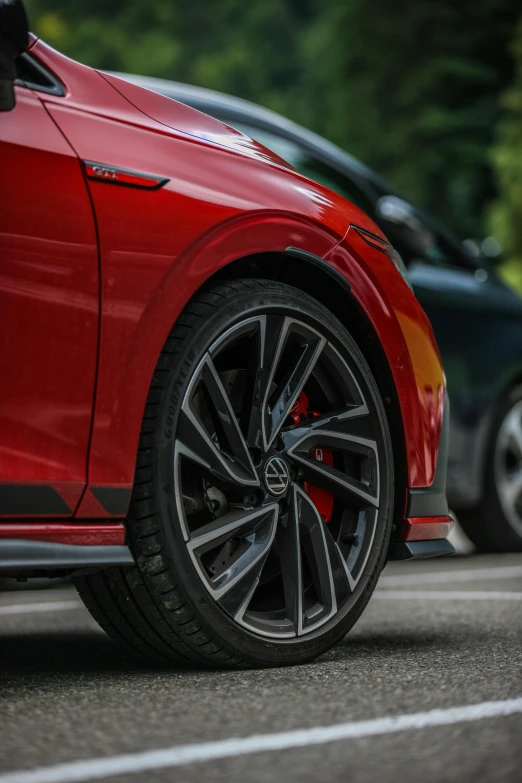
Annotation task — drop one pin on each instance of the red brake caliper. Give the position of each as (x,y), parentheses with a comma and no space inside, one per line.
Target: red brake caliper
(321,498)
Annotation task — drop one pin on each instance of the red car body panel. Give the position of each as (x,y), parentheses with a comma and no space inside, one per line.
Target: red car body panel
(49,302)
(93,312)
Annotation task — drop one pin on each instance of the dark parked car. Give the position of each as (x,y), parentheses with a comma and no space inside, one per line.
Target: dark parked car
(477,318)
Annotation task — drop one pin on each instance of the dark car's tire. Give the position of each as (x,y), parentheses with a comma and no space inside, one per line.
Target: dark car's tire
(496,524)
(223,534)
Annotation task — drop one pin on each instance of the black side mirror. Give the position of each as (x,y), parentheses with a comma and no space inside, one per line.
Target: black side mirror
(14,39)
(398,220)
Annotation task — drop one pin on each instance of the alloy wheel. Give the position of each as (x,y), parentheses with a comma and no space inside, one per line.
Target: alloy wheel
(276,474)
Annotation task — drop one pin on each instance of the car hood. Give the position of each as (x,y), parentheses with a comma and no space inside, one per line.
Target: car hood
(189,121)
(270,184)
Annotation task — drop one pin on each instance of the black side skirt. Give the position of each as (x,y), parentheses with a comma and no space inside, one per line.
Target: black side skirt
(19,556)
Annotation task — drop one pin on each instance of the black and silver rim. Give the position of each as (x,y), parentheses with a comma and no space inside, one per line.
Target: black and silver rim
(508,466)
(274,429)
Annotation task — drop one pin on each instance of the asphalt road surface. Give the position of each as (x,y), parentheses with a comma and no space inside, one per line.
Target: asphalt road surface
(427,687)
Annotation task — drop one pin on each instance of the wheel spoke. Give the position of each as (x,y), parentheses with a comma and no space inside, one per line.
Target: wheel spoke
(317,551)
(222,452)
(295,377)
(352,420)
(360,492)
(253,532)
(289,547)
(344,582)
(270,405)
(270,336)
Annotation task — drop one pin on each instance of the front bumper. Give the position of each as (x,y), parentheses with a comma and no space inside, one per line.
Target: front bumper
(427,523)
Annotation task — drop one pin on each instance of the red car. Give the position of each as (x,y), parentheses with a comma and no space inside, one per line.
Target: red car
(222,409)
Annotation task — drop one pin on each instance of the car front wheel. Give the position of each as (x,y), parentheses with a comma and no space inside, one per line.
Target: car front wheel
(263,497)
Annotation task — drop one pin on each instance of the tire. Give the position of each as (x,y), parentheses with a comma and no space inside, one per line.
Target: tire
(496,524)
(198,596)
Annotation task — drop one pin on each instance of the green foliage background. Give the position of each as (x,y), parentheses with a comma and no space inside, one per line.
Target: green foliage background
(506,212)
(428,93)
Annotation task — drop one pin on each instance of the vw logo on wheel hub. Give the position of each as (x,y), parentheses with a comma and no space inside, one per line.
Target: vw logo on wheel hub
(276,476)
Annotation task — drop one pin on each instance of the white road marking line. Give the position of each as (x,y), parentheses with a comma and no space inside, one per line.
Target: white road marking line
(470,595)
(178,755)
(47,606)
(442,577)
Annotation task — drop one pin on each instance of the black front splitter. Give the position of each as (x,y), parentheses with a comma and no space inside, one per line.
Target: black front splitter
(409,550)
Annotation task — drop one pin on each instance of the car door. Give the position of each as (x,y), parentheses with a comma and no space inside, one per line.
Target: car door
(49,310)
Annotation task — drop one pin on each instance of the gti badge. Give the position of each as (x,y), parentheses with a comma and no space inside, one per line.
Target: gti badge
(102,171)
(115,176)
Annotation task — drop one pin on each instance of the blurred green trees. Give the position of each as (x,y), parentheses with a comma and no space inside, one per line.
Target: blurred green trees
(411,88)
(506,213)
(247,49)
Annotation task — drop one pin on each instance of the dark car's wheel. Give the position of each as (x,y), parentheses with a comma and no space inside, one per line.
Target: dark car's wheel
(263,498)
(496,524)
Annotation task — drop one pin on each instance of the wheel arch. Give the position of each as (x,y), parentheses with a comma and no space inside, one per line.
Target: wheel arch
(126,379)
